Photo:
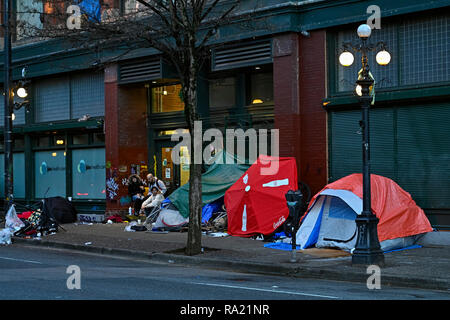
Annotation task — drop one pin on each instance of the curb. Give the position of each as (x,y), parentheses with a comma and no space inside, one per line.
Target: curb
(246,266)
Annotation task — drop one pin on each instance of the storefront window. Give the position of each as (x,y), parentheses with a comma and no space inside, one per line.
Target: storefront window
(99,138)
(50,173)
(19,143)
(167,99)
(88,173)
(81,139)
(261,87)
(171,132)
(222,92)
(59,140)
(43,141)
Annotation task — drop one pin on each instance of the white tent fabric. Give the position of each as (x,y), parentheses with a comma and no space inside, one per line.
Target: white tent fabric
(169,218)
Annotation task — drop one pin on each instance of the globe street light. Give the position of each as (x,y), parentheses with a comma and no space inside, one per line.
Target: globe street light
(346,59)
(367,249)
(22,93)
(383,58)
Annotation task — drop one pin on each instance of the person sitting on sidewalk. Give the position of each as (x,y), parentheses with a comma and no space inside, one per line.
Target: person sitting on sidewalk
(136,191)
(154,201)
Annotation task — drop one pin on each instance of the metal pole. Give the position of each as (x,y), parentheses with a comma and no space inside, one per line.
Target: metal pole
(367,249)
(8,98)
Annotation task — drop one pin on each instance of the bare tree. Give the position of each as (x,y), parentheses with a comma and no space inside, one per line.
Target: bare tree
(179,29)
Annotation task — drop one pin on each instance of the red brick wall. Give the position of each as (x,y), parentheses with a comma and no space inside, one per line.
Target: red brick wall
(299,87)
(125,137)
(313,117)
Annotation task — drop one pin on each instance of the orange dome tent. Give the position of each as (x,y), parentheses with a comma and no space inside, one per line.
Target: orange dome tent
(329,220)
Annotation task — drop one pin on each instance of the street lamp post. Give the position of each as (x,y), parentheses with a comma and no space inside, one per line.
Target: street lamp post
(367,249)
(8,98)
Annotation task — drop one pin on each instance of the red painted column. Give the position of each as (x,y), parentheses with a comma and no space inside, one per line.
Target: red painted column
(125,138)
(299,87)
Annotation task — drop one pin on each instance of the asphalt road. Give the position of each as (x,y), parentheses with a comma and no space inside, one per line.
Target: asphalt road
(28,273)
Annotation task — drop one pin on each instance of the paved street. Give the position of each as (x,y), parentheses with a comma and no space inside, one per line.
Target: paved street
(35,273)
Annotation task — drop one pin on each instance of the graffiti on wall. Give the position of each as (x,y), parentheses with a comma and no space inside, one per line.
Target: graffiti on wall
(112,188)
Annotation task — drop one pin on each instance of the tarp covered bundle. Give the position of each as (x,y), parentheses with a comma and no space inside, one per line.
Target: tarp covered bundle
(61,209)
(92,9)
(256,203)
(223,172)
(45,220)
(330,218)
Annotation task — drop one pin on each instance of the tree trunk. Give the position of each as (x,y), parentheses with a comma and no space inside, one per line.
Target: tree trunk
(194,242)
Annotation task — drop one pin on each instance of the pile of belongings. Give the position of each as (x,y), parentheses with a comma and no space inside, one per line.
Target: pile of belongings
(214,216)
(169,218)
(46,219)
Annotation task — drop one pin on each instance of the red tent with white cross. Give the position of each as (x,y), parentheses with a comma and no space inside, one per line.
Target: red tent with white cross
(256,203)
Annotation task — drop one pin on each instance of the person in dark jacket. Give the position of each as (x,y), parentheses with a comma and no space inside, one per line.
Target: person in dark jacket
(136,191)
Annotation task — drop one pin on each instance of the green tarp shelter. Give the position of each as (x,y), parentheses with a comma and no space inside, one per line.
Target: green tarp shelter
(223,171)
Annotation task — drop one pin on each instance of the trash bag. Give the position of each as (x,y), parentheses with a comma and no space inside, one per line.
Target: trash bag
(12,221)
(5,236)
(128,227)
(12,225)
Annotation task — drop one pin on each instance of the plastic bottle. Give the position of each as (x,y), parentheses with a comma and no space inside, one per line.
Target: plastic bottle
(130,212)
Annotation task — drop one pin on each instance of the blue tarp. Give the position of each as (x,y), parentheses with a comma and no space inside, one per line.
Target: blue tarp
(415,246)
(211,208)
(280,246)
(288,247)
(92,9)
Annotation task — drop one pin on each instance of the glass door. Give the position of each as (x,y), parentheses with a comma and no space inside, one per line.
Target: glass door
(174,175)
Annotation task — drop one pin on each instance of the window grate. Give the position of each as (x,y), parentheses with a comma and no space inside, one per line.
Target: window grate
(140,71)
(425,50)
(251,54)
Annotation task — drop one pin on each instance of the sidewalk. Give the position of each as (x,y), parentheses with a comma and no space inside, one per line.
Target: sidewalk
(426,267)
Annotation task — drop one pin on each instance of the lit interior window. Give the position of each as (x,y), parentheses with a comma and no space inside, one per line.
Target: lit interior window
(167,99)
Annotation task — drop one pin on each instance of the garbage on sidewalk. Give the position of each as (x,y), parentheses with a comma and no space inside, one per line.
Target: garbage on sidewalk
(168,218)
(45,217)
(134,226)
(12,225)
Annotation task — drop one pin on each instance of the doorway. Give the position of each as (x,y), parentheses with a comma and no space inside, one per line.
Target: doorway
(173,175)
